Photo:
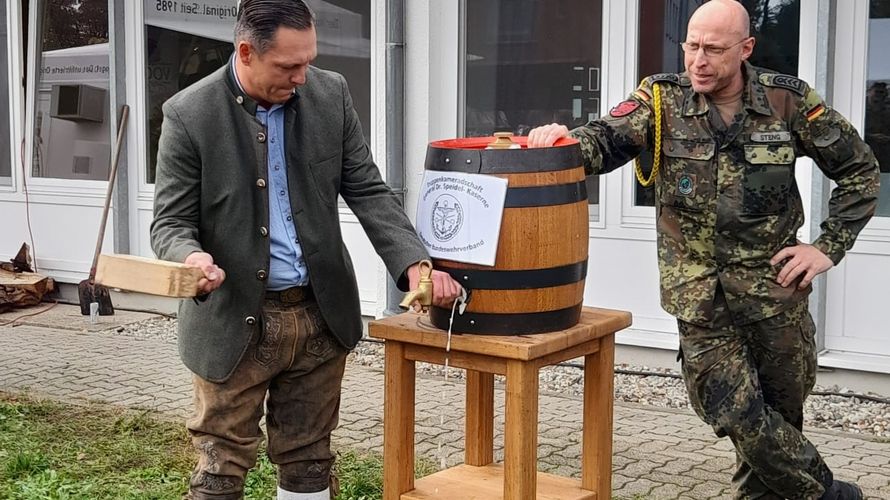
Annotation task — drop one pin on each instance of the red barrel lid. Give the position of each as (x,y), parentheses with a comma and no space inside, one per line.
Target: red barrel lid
(483,142)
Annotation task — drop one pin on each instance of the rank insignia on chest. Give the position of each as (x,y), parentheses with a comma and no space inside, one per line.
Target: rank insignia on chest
(624,108)
(686,184)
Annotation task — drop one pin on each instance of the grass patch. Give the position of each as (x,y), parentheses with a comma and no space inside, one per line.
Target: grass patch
(361,474)
(56,451)
(68,452)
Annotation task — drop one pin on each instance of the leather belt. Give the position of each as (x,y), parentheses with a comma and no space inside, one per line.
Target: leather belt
(293,295)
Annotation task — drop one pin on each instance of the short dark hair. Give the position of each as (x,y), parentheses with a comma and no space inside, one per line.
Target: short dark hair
(258,20)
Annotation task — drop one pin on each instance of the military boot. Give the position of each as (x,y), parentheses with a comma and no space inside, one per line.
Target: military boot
(842,490)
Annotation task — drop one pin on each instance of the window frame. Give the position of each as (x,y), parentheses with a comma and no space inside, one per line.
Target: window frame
(16,97)
(596,217)
(79,188)
(849,79)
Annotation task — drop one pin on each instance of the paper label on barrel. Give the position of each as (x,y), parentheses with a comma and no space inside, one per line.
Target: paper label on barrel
(459,216)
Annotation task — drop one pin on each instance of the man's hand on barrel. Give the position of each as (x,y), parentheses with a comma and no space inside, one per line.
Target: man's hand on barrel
(213,274)
(445,288)
(546,135)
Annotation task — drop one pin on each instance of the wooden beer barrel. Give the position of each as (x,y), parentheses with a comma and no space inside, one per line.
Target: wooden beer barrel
(537,282)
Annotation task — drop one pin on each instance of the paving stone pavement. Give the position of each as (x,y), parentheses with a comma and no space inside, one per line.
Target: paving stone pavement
(658,453)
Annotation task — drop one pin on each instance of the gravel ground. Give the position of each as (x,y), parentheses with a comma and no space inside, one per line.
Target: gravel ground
(843,413)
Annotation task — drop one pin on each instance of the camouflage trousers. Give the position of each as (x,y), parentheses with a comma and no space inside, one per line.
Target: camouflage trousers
(296,362)
(749,382)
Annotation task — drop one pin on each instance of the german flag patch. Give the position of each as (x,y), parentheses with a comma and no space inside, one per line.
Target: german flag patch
(815,112)
(624,108)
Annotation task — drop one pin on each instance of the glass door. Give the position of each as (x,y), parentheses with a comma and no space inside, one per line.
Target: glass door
(877,101)
(856,330)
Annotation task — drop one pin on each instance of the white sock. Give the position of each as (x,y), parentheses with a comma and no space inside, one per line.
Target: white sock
(290,495)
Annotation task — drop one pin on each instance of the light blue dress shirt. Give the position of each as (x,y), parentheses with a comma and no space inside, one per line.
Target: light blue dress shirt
(287,267)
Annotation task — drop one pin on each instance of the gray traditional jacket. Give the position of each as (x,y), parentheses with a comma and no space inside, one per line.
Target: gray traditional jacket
(211,195)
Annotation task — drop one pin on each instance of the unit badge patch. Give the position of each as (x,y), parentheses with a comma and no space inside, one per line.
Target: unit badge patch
(624,108)
(686,184)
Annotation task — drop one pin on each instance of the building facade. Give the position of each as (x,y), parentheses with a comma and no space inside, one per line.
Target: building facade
(470,67)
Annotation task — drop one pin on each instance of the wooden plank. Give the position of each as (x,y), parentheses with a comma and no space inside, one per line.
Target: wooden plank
(398,422)
(596,441)
(589,347)
(467,361)
(480,418)
(521,431)
(466,482)
(152,276)
(416,329)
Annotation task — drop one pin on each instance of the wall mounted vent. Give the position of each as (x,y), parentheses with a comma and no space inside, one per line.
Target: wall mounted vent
(78,102)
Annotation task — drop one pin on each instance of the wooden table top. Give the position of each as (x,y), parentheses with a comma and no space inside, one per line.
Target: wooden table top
(416,328)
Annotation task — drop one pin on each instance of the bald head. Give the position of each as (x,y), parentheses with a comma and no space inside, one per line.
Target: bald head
(717,43)
(729,16)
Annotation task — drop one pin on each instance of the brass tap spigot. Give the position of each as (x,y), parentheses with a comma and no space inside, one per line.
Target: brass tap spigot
(424,291)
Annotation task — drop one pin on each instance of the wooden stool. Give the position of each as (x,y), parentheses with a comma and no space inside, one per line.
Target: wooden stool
(409,338)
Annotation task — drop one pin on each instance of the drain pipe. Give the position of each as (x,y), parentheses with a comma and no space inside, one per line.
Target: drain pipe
(395,121)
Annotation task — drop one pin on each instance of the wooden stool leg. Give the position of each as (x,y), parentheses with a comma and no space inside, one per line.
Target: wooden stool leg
(521,431)
(398,422)
(480,418)
(596,451)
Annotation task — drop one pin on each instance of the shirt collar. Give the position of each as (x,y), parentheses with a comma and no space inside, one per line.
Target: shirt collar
(259,107)
(753,96)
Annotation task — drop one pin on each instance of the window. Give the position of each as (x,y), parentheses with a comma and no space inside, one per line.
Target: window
(71,122)
(530,63)
(5,150)
(181,48)
(877,101)
(344,46)
(775,25)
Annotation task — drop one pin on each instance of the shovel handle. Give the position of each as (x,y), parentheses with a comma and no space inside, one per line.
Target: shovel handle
(121,127)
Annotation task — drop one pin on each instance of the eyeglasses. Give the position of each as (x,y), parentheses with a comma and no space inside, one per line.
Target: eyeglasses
(710,50)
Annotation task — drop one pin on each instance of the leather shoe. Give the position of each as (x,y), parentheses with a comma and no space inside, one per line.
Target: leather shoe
(842,490)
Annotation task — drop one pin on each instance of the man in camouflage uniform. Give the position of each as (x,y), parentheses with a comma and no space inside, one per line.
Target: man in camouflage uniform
(728,210)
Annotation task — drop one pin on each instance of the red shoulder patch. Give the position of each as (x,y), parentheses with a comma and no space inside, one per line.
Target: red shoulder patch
(624,108)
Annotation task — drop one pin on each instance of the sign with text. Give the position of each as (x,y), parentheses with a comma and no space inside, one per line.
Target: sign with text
(459,216)
(214,19)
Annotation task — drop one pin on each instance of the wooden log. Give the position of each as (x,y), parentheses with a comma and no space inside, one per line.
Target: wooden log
(22,289)
(152,276)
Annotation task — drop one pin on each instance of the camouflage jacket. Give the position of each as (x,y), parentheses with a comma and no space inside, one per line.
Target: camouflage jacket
(727,201)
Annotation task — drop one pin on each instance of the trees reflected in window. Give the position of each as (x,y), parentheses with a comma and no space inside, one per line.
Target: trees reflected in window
(71,121)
